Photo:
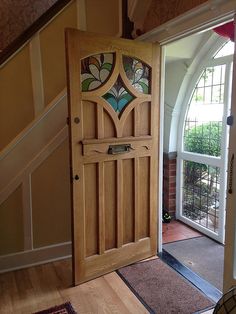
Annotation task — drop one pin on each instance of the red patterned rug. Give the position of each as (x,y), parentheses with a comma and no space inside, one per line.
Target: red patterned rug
(65,308)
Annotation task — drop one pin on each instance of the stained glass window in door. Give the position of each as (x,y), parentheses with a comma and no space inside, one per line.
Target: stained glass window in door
(96,70)
(138,74)
(118,97)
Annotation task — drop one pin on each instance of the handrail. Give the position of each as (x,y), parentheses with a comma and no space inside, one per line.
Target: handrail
(31,30)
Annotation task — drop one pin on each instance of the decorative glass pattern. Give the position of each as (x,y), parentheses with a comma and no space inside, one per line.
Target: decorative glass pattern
(96,70)
(201,189)
(138,74)
(118,97)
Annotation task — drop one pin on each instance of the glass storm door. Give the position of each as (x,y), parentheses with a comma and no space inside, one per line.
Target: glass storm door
(114,123)
(230,229)
(203,154)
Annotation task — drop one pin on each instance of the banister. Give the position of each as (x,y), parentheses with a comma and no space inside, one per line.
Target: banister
(31,30)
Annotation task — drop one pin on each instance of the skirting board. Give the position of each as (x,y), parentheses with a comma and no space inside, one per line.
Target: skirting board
(35,257)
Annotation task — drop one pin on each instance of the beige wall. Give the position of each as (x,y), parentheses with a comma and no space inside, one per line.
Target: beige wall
(16,96)
(11,223)
(51,199)
(53,53)
(50,192)
(104,17)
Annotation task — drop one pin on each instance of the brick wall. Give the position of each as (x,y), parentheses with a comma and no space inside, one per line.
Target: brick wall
(169,182)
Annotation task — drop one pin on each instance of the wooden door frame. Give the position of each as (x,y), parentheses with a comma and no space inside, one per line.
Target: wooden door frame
(205,16)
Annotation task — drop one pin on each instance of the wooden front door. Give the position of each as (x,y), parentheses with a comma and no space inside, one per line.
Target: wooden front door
(113,88)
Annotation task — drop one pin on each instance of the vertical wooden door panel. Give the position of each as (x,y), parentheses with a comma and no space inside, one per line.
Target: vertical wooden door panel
(114,145)
(128,129)
(145,120)
(110,195)
(128,201)
(109,128)
(144,197)
(91,215)
(120,209)
(89,115)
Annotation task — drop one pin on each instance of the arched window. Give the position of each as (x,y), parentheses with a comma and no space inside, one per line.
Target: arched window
(203,149)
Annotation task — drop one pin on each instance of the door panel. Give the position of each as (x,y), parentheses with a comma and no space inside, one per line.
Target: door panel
(110,196)
(90,116)
(128,200)
(114,122)
(143,173)
(91,215)
(144,112)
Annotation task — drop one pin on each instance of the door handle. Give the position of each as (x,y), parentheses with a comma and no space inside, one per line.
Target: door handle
(231,166)
(119,149)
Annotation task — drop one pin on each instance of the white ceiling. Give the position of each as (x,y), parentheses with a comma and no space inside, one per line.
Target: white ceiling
(185,48)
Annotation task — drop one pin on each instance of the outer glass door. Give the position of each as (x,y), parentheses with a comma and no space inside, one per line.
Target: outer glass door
(203,150)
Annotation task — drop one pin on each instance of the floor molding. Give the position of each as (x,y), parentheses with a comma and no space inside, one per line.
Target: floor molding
(34,257)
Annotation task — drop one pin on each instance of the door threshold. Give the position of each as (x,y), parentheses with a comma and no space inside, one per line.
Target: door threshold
(208,289)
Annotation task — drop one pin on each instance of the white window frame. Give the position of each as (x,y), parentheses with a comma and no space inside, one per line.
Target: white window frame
(221,161)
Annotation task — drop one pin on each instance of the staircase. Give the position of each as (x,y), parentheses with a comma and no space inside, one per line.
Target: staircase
(34,157)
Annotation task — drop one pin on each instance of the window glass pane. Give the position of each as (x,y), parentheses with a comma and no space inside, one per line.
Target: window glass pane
(226,50)
(203,123)
(208,76)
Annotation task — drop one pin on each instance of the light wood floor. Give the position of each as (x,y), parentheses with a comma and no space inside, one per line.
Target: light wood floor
(40,287)
(37,288)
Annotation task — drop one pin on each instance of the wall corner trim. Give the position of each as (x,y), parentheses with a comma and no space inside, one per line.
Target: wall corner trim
(34,257)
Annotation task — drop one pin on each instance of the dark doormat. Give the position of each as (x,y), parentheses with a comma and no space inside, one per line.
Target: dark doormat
(163,290)
(65,308)
(202,255)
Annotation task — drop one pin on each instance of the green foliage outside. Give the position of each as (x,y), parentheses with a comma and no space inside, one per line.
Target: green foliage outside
(201,178)
(204,139)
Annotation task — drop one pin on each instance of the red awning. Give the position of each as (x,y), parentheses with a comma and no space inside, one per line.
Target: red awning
(226,30)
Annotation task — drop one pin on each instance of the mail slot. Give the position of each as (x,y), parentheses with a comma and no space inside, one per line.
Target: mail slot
(119,149)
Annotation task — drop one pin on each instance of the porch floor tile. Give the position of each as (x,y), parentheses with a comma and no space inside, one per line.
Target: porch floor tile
(176,230)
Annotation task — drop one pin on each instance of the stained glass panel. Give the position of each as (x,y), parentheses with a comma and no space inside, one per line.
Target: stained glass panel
(96,70)
(138,74)
(118,97)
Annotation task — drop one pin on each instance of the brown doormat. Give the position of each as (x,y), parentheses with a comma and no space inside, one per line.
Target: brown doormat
(163,290)
(65,308)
